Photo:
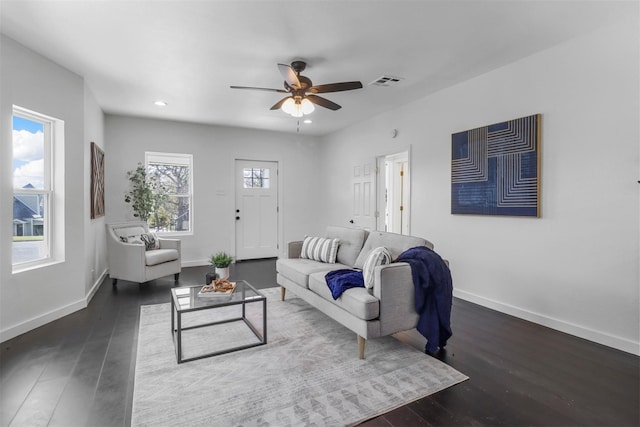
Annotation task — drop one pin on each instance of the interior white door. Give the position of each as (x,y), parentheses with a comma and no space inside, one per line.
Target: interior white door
(256,209)
(364,196)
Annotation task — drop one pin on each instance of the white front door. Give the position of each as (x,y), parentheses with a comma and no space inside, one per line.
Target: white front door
(256,209)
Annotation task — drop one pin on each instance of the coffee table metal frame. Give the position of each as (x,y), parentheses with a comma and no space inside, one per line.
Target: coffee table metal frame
(244,294)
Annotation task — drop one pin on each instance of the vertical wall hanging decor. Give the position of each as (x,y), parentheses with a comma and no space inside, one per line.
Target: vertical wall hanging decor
(495,170)
(97,181)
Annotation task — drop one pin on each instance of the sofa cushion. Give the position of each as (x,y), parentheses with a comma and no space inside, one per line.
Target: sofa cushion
(377,256)
(320,249)
(395,243)
(351,241)
(357,301)
(159,256)
(299,269)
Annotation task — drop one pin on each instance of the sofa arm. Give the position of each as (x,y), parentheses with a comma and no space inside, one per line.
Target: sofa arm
(393,286)
(294,249)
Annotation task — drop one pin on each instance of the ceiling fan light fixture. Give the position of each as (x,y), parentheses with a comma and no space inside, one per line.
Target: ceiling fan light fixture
(297,107)
(289,106)
(307,106)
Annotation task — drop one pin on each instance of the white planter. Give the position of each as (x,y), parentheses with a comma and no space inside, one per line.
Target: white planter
(223,273)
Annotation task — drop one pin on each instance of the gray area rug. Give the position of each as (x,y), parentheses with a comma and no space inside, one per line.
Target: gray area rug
(308,373)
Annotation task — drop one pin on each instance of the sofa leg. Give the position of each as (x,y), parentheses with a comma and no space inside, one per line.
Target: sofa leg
(176,276)
(283,291)
(114,282)
(361,342)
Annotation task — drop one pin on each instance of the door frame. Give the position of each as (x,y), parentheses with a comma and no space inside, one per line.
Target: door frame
(381,187)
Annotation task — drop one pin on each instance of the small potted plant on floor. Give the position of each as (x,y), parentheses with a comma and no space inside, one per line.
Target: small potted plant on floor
(221,262)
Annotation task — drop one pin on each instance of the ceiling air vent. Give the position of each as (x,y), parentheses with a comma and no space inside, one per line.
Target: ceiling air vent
(386,81)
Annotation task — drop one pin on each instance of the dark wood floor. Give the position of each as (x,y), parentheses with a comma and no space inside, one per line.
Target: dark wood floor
(79,370)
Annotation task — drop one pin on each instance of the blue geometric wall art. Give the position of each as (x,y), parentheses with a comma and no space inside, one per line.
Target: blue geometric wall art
(495,170)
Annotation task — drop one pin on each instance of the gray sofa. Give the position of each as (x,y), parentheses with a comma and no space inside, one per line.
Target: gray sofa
(385,309)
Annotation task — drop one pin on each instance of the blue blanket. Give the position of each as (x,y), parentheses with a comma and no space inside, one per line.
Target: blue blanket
(433,295)
(341,280)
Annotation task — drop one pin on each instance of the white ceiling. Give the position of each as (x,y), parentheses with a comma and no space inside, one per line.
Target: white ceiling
(188,53)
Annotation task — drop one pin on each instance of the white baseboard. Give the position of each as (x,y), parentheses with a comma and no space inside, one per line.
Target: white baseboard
(599,337)
(96,286)
(196,263)
(36,322)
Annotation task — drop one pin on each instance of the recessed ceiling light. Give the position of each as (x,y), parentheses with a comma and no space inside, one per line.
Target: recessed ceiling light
(160,103)
(307,121)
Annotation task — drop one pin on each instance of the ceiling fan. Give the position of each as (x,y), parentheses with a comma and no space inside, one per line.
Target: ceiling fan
(302,92)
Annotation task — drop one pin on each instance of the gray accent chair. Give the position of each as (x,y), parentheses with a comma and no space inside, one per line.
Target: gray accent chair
(132,262)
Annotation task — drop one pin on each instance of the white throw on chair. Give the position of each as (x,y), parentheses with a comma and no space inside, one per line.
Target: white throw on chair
(132,255)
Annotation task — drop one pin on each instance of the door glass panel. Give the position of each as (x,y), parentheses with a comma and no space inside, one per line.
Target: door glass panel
(256,178)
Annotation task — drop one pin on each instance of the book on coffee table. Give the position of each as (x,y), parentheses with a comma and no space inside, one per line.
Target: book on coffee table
(209,291)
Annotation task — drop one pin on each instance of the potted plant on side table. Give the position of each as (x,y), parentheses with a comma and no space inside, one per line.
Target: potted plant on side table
(221,262)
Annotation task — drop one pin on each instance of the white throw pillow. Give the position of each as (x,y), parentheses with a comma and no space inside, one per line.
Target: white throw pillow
(377,256)
(320,249)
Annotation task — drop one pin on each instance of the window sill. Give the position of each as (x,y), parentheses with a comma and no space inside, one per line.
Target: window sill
(22,268)
(170,235)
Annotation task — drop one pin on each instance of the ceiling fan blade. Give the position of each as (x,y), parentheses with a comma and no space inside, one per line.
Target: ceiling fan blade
(323,102)
(259,88)
(289,76)
(278,104)
(335,87)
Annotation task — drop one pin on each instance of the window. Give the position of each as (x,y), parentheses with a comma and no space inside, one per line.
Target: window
(174,176)
(35,212)
(256,178)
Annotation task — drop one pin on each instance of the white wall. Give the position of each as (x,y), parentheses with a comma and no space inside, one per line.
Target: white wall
(31,298)
(575,268)
(214,150)
(95,255)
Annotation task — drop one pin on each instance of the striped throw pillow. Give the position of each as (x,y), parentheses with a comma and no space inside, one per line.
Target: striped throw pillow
(377,256)
(320,249)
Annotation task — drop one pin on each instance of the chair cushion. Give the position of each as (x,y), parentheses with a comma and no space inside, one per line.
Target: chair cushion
(357,301)
(159,256)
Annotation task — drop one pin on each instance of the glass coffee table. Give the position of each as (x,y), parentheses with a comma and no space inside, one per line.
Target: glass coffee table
(186,300)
